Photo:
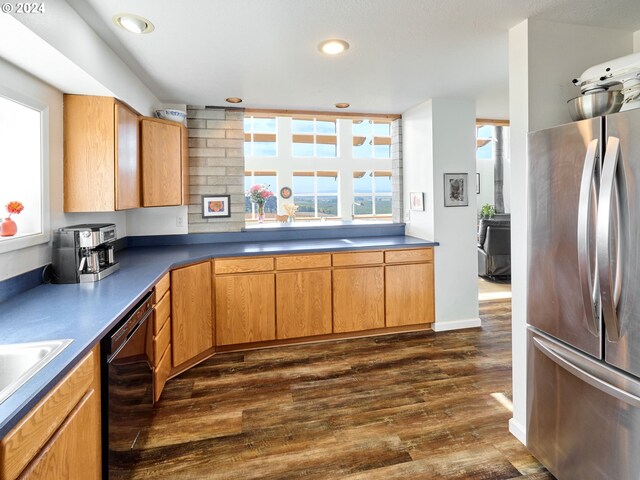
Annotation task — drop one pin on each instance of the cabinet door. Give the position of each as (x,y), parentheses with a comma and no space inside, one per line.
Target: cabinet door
(161,163)
(358,299)
(74,450)
(303,302)
(191,313)
(409,294)
(127,159)
(245,308)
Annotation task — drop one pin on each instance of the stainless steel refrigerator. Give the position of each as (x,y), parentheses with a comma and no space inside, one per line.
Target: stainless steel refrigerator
(583,387)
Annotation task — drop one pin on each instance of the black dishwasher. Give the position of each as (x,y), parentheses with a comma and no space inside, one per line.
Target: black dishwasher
(127,396)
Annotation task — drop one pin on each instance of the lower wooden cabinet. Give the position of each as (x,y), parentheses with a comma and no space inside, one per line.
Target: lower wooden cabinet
(191,312)
(409,294)
(358,299)
(72,453)
(61,436)
(303,302)
(245,308)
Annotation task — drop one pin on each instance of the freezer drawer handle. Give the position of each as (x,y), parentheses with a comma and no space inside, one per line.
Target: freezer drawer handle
(609,200)
(555,355)
(586,210)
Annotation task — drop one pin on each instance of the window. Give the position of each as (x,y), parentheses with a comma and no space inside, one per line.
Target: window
(270,180)
(372,193)
(371,139)
(484,141)
(316,194)
(23,173)
(314,138)
(260,138)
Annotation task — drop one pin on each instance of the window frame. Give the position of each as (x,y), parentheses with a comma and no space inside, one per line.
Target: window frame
(9,244)
(315,135)
(250,136)
(254,209)
(374,194)
(315,194)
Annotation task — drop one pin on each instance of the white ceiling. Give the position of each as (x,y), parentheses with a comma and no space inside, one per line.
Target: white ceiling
(402,51)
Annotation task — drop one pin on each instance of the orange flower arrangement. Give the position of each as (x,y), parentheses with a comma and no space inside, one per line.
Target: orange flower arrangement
(14,207)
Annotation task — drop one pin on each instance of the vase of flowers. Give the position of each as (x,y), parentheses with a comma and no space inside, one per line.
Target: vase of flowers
(8,227)
(259,194)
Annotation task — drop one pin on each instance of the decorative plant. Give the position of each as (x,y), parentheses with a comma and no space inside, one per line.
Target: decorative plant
(291,209)
(259,194)
(488,211)
(14,207)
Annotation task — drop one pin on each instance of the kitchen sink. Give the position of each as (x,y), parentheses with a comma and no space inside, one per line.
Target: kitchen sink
(20,361)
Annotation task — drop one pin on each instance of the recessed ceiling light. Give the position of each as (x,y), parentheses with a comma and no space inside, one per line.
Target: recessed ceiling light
(133,23)
(333,46)
(233,100)
(342,105)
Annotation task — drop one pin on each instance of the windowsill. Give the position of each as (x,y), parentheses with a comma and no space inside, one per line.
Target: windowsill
(318,224)
(9,244)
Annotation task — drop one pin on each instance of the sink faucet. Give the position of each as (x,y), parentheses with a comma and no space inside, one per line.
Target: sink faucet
(353,209)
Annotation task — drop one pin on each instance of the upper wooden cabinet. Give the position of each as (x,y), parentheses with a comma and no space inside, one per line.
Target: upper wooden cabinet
(101,158)
(165,163)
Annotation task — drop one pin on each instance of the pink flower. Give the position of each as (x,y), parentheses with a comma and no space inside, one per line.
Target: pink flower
(265,194)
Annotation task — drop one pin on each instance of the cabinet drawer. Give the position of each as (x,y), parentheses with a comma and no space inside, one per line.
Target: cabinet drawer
(357,258)
(161,313)
(409,256)
(162,286)
(27,438)
(243,265)
(299,262)
(161,373)
(160,342)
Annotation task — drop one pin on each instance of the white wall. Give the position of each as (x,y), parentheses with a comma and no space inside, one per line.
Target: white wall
(439,138)
(543,58)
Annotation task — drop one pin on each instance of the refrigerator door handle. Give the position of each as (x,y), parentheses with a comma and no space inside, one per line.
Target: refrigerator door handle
(610,281)
(588,278)
(578,367)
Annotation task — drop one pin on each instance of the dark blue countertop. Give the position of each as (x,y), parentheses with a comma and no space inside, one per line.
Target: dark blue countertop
(87,312)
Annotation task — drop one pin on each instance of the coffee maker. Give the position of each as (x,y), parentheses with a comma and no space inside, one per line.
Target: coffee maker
(84,253)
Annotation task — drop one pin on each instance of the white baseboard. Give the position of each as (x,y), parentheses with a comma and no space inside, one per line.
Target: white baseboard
(518,431)
(455,324)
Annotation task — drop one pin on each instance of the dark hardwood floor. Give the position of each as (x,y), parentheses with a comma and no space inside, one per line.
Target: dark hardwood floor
(410,406)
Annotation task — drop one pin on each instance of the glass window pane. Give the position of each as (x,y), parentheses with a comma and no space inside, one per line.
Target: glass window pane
(326,150)
(302,126)
(271,207)
(382,129)
(303,185)
(303,149)
(264,125)
(383,184)
(328,184)
(382,151)
(327,206)
(264,149)
(485,152)
(248,182)
(247,149)
(365,150)
(247,124)
(363,184)
(271,181)
(247,207)
(383,205)
(486,131)
(363,205)
(306,206)
(324,126)
(362,127)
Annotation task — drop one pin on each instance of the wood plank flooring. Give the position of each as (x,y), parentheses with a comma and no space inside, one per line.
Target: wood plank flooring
(410,406)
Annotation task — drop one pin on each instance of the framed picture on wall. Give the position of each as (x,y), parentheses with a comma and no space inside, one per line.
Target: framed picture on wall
(416,200)
(456,190)
(477,183)
(216,206)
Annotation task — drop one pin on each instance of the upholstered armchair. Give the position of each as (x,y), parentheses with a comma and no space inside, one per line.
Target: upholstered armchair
(494,246)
